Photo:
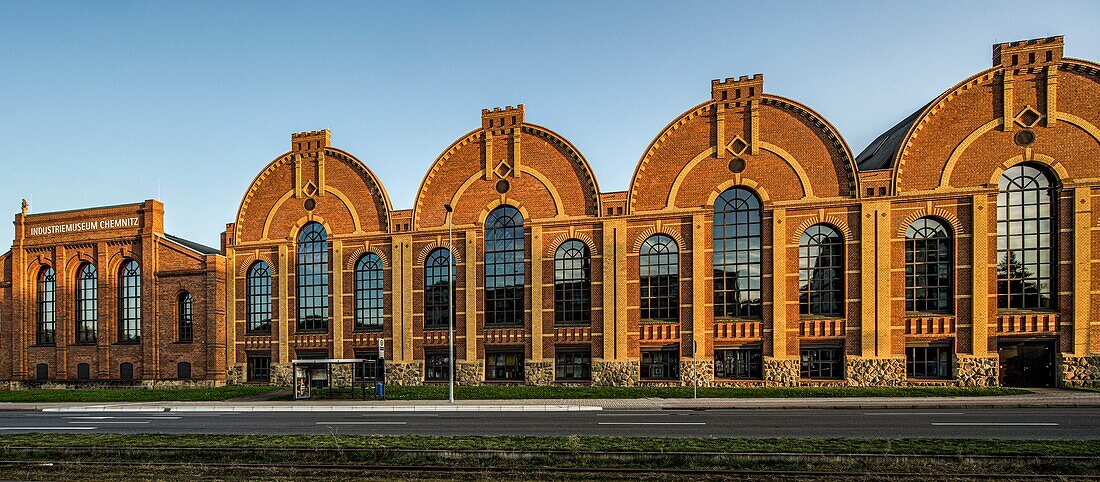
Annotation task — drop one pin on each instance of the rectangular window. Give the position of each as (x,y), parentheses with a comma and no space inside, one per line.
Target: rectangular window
(311,355)
(928,362)
(259,368)
(504,365)
(738,363)
(823,362)
(661,364)
(368,369)
(573,364)
(436,364)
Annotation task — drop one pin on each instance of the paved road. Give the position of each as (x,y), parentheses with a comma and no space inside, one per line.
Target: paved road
(1019,423)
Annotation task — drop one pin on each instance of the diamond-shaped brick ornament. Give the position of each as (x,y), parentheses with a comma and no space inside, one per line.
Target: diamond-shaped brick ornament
(310,189)
(1028,117)
(503,169)
(737,146)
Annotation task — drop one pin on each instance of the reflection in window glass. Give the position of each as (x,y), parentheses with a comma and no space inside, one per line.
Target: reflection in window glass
(927,267)
(504,267)
(47,297)
(87,304)
(659,269)
(368,293)
(737,254)
(1025,232)
(821,272)
(259,298)
(129,302)
(437,290)
(572,284)
(312,278)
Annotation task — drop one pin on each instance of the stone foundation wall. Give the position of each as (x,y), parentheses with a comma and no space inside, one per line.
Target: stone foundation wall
(539,373)
(470,373)
(342,376)
(234,375)
(874,372)
(404,374)
(615,374)
(1078,371)
(282,374)
(781,372)
(974,371)
(704,370)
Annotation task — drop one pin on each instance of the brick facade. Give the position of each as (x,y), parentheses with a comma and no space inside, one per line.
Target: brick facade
(943,162)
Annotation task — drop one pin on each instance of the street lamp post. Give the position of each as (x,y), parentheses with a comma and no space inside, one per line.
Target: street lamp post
(450,305)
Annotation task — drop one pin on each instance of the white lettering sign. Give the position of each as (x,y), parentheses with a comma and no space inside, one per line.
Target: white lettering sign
(90,225)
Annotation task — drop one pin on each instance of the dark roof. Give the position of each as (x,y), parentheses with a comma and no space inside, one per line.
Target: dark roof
(880,154)
(201,248)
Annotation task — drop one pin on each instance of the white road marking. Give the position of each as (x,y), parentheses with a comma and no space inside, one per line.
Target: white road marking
(651,423)
(998,424)
(362,423)
(632,414)
(913,413)
(109,421)
(124,418)
(47,428)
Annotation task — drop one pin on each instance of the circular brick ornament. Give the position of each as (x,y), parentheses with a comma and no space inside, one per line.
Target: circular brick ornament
(310,204)
(737,165)
(1024,138)
(503,186)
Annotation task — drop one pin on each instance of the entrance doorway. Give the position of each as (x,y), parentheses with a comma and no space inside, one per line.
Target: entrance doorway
(1027,363)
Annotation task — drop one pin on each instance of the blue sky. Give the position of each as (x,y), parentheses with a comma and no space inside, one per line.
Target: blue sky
(106,103)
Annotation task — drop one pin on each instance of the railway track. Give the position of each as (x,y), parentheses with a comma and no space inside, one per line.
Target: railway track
(627,473)
(522,454)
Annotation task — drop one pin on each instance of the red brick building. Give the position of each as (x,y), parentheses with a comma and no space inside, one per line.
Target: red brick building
(105,294)
(751,248)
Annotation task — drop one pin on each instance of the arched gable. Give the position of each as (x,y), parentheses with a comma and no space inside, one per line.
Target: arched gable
(971,130)
(313,180)
(742,134)
(529,165)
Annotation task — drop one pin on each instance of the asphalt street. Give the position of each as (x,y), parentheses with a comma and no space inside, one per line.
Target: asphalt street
(1009,423)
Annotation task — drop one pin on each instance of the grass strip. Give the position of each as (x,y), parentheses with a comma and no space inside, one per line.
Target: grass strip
(575,444)
(132,394)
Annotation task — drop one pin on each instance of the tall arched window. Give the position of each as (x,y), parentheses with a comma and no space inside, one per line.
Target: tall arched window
(368,292)
(258,286)
(572,284)
(47,299)
(312,278)
(821,272)
(129,302)
(183,310)
(660,279)
(1025,238)
(928,263)
(737,254)
(504,267)
(87,303)
(437,290)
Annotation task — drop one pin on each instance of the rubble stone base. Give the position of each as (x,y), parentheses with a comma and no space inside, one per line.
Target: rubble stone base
(874,372)
(539,373)
(404,374)
(342,376)
(282,374)
(781,372)
(470,373)
(615,373)
(234,375)
(1079,371)
(977,371)
(704,370)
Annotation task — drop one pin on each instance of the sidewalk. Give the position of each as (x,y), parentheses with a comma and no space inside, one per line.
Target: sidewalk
(1042,398)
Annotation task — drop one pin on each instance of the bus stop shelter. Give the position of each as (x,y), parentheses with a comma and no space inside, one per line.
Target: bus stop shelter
(320,377)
